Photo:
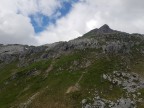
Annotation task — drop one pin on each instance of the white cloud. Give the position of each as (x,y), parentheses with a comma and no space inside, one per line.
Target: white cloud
(73,25)
(90,14)
(16,29)
(124,15)
(28,7)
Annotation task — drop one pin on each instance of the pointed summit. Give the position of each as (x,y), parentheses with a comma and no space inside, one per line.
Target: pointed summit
(105,29)
(102,30)
(105,26)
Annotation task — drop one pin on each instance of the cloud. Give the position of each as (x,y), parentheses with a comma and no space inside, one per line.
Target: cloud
(15,24)
(16,29)
(123,15)
(28,7)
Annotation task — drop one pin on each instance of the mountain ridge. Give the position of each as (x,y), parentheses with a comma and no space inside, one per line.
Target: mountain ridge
(103,69)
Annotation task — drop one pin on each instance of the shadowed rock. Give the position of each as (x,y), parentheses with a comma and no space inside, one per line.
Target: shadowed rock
(105,29)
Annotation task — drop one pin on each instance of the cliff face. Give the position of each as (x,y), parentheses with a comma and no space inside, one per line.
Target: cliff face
(103,69)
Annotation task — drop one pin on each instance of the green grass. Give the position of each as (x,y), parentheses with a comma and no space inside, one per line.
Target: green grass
(138,67)
(13,90)
(141,105)
(67,60)
(58,84)
(53,87)
(7,70)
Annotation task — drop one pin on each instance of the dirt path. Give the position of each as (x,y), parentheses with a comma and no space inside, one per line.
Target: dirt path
(50,68)
(76,87)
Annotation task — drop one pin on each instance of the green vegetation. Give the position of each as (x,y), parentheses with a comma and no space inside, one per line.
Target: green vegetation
(52,86)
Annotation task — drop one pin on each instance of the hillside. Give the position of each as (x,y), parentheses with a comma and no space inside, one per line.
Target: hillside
(102,69)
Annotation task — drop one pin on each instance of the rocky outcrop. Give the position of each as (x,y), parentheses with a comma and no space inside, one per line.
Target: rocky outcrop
(105,29)
(7,58)
(9,53)
(110,41)
(130,82)
(12,49)
(104,39)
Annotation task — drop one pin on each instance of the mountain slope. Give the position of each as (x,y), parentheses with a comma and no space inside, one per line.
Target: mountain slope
(103,69)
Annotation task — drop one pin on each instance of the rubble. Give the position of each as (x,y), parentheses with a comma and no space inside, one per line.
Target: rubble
(129,82)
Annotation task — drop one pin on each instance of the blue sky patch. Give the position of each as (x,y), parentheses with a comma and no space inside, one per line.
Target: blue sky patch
(40,21)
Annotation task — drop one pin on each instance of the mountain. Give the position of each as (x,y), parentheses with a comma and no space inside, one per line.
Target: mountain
(102,69)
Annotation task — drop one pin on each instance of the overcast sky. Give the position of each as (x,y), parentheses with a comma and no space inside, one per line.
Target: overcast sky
(37,22)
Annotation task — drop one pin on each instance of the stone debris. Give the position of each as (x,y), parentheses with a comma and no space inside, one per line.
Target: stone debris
(103,103)
(129,82)
(119,103)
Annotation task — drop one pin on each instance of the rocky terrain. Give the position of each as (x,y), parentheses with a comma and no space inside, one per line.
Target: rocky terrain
(104,68)
(130,82)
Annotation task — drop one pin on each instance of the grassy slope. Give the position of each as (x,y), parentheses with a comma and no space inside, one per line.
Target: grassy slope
(52,89)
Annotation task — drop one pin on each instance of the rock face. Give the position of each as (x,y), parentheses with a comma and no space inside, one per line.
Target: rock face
(9,53)
(104,39)
(105,29)
(12,49)
(110,41)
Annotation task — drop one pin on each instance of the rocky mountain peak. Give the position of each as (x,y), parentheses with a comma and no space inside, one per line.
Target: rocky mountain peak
(105,26)
(105,29)
(102,30)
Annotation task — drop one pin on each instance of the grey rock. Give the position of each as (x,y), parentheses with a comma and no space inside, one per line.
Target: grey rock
(84,101)
(129,82)
(11,49)
(88,106)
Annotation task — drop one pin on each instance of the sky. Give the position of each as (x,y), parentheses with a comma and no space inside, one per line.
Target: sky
(38,22)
